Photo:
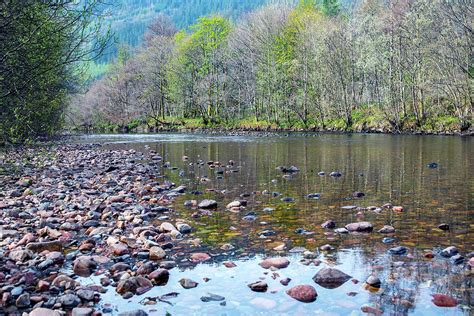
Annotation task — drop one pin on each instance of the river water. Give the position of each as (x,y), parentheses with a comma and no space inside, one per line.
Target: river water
(387,168)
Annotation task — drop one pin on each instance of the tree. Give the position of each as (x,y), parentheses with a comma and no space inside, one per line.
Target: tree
(41,44)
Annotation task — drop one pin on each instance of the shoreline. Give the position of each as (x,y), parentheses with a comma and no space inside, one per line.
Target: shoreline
(246,131)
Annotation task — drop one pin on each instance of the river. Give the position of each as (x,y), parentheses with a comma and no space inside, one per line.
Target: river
(386,168)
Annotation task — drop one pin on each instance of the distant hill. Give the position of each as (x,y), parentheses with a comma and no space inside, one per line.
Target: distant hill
(129,19)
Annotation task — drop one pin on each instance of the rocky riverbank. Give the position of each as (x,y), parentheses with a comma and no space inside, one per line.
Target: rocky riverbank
(72,211)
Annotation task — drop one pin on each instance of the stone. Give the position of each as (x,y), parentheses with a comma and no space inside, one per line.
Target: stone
(258,286)
(229,264)
(398,208)
(373,281)
(360,227)
(207,204)
(167,227)
(43,286)
(184,228)
(119,249)
(54,245)
(371,310)
(326,248)
(188,283)
(386,229)
(84,266)
(157,253)
(20,255)
(82,311)
(276,262)
(200,257)
(303,293)
(449,252)
(159,276)
(87,295)
(400,250)
(443,226)
(285,281)
(329,224)
(44,312)
(341,230)
(234,204)
(23,300)
(443,300)
(63,281)
(210,297)
(331,278)
(127,286)
(69,300)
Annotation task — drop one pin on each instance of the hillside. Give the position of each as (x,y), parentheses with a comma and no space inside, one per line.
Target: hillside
(130,18)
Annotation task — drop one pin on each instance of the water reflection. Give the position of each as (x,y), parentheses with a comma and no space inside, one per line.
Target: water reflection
(386,168)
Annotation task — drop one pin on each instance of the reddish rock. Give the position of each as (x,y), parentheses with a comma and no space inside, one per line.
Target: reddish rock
(398,208)
(360,227)
(443,300)
(277,262)
(159,276)
(371,310)
(200,257)
(119,249)
(229,264)
(303,293)
(259,286)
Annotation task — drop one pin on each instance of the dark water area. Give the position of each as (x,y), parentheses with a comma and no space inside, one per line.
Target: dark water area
(386,168)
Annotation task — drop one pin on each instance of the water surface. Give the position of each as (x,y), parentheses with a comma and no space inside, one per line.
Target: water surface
(388,169)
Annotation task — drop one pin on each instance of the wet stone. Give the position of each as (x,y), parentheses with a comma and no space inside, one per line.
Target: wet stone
(360,227)
(400,250)
(303,293)
(277,262)
(258,286)
(449,252)
(331,278)
(210,297)
(188,283)
(373,281)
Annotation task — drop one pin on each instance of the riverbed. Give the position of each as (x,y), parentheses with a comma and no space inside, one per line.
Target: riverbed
(296,195)
(386,168)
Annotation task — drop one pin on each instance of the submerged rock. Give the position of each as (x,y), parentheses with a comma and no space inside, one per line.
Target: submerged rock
(443,300)
(400,250)
(449,252)
(210,297)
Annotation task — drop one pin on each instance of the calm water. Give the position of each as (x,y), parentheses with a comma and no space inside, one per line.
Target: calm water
(386,168)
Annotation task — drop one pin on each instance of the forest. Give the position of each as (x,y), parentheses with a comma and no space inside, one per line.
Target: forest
(387,66)
(363,66)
